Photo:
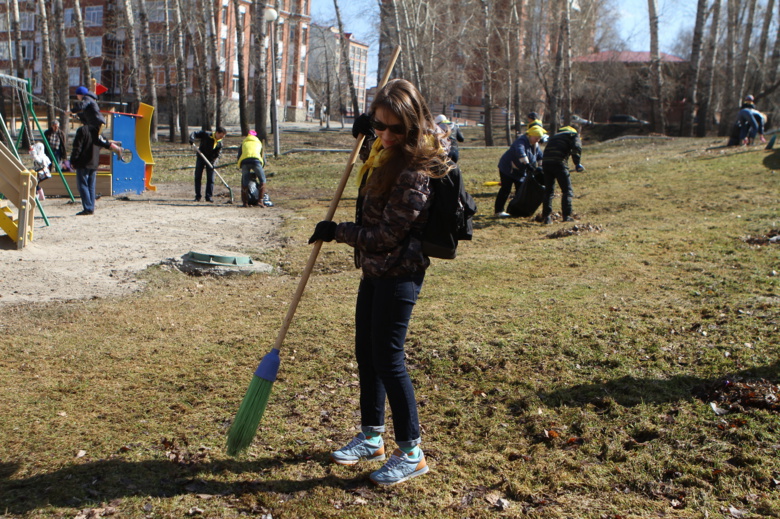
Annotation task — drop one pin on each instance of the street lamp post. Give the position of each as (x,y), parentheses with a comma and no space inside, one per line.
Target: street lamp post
(271,16)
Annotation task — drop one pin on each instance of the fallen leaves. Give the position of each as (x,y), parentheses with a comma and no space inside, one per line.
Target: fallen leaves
(575,230)
(734,396)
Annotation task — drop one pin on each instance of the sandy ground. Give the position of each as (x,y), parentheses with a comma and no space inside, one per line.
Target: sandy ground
(79,257)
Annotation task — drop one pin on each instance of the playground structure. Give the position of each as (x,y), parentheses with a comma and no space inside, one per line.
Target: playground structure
(18,184)
(17,208)
(115,177)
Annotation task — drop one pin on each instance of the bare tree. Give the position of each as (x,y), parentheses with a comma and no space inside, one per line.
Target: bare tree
(656,72)
(693,69)
(764,42)
(345,61)
(148,65)
(181,74)
(745,54)
(242,115)
(487,70)
(168,50)
(197,32)
(46,68)
(127,11)
(728,85)
(17,32)
(705,107)
(260,46)
(78,19)
(212,44)
(60,65)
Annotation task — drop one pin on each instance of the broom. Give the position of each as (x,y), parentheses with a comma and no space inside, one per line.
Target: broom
(252,407)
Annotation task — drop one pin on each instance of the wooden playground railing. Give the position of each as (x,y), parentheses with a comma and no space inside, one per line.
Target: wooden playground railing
(17,209)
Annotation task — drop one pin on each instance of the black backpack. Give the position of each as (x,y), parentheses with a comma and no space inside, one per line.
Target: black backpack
(449,217)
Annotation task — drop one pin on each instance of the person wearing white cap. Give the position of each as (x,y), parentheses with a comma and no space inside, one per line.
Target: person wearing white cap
(455,135)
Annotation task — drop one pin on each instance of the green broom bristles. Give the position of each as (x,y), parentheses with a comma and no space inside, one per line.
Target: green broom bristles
(244,427)
(249,414)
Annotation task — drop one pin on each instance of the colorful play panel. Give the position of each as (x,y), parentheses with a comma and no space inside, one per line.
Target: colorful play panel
(114,176)
(17,208)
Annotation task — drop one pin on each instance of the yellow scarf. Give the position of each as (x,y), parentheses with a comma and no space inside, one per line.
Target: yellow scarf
(376,159)
(379,155)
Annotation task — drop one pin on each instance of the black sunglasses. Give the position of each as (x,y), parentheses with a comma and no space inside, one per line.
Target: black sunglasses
(397,129)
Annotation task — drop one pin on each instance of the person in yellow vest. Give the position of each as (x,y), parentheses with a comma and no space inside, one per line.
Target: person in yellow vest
(250,159)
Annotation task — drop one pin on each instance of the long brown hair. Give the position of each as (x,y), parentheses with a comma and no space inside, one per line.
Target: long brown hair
(404,101)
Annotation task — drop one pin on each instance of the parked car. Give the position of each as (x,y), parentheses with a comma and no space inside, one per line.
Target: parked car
(620,118)
(576,119)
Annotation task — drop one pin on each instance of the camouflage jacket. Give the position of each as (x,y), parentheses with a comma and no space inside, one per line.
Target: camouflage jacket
(382,236)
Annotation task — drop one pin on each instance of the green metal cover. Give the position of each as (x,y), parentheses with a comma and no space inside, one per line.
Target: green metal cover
(222,261)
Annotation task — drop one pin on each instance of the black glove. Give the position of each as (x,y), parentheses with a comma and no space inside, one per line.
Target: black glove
(325,231)
(192,142)
(362,125)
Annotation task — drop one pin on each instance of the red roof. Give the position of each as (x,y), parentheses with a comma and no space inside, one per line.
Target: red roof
(625,57)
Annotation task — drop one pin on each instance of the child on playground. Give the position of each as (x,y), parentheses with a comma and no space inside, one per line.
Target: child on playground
(41,166)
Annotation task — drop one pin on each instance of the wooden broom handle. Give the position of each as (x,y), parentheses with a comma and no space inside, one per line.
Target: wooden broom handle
(315,251)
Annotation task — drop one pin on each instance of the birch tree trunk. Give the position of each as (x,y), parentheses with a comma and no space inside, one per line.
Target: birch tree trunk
(487,71)
(728,104)
(181,75)
(47,66)
(705,108)
(745,54)
(198,39)
(169,93)
(242,116)
(693,70)
(764,43)
(213,50)
(774,63)
(86,70)
(16,29)
(554,101)
(259,34)
(345,60)
(148,64)
(60,65)
(566,42)
(655,70)
(127,11)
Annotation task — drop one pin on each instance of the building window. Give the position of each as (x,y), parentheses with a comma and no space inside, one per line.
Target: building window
(224,15)
(27,50)
(93,16)
(94,46)
(96,72)
(68,17)
(235,84)
(72,47)
(5,54)
(74,76)
(27,21)
(157,40)
(155,11)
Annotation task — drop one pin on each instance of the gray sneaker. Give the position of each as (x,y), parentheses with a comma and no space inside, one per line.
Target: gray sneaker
(357,449)
(399,468)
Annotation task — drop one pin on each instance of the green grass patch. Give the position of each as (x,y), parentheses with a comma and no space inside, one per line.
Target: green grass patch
(557,377)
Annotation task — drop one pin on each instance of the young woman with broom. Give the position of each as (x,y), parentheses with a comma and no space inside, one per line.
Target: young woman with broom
(392,206)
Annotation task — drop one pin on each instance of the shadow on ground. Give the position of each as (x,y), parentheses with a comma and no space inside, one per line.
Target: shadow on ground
(90,484)
(631,391)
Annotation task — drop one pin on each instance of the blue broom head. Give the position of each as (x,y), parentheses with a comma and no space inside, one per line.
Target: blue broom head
(269,366)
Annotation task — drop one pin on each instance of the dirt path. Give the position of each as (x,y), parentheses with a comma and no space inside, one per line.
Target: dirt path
(97,256)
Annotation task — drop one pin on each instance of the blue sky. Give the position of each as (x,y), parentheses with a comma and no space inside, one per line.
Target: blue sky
(674,15)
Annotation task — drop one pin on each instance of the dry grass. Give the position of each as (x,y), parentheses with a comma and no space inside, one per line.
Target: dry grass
(565,376)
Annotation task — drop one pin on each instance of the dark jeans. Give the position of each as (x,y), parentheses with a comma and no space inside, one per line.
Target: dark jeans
(199,165)
(503,193)
(556,171)
(384,307)
(86,179)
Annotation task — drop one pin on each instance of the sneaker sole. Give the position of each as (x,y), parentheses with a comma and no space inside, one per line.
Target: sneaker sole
(407,478)
(337,461)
